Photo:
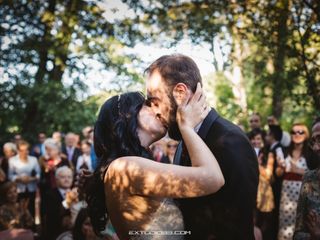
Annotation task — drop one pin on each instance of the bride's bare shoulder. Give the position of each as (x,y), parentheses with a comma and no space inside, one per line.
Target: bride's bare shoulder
(126,166)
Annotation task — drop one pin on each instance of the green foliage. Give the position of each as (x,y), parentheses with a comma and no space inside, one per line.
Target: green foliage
(45,47)
(57,110)
(225,102)
(276,44)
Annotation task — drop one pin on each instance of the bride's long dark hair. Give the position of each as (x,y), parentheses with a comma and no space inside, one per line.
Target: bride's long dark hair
(115,135)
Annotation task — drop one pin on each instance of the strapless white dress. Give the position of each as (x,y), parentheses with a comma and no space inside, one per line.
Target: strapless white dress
(167,224)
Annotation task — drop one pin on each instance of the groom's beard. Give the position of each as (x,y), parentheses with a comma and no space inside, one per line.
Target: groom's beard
(174,132)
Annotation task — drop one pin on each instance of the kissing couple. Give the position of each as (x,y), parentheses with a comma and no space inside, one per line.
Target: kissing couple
(209,192)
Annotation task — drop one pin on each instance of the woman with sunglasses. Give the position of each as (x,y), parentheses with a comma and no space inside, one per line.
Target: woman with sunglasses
(293,169)
(308,211)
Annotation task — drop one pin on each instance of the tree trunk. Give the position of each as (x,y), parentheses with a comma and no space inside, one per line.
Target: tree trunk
(279,78)
(313,89)
(235,76)
(32,108)
(310,74)
(69,21)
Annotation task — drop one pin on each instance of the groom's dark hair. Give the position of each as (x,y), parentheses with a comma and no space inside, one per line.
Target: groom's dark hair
(177,68)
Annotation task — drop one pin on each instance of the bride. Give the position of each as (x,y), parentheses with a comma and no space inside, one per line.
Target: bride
(134,192)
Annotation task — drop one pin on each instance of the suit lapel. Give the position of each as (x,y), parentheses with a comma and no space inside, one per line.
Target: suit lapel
(203,131)
(177,155)
(207,123)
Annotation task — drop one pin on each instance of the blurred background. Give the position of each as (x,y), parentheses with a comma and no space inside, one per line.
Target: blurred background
(60,59)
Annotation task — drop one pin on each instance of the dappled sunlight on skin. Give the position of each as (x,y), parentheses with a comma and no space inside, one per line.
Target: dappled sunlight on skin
(134,194)
(154,81)
(127,212)
(157,92)
(150,124)
(120,182)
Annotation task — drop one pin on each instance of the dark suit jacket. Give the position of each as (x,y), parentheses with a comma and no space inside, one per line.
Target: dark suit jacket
(76,153)
(277,181)
(276,189)
(227,214)
(56,214)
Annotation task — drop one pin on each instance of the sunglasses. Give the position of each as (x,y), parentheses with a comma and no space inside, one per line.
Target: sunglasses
(300,132)
(254,120)
(314,141)
(172,145)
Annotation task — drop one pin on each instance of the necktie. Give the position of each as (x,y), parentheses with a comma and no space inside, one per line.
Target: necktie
(69,153)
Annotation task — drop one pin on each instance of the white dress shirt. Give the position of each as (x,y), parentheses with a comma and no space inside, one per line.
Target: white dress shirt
(63,193)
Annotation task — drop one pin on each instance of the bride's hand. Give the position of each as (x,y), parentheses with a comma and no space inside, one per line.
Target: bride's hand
(192,111)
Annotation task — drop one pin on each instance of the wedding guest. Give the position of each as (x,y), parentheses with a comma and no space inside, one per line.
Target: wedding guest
(285,139)
(82,229)
(158,150)
(70,149)
(171,148)
(3,176)
(57,137)
(272,120)
(17,138)
(17,234)
(9,150)
(92,153)
(255,121)
(256,138)
(293,171)
(86,133)
(59,201)
(308,210)
(13,214)
(273,138)
(265,198)
(38,149)
(25,171)
(85,161)
(48,164)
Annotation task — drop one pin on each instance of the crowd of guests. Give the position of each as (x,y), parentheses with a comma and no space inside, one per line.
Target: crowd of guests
(287,164)
(38,188)
(38,185)
(39,197)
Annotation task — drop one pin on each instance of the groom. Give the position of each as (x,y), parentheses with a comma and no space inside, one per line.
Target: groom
(227,214)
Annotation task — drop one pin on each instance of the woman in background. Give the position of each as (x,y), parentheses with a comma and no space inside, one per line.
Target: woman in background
(85,161)
(308,210)
(293,170)
(171,148)
(265,198)
(24,170)
(49,163)
(9,150)
(13,214)
(82,229)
